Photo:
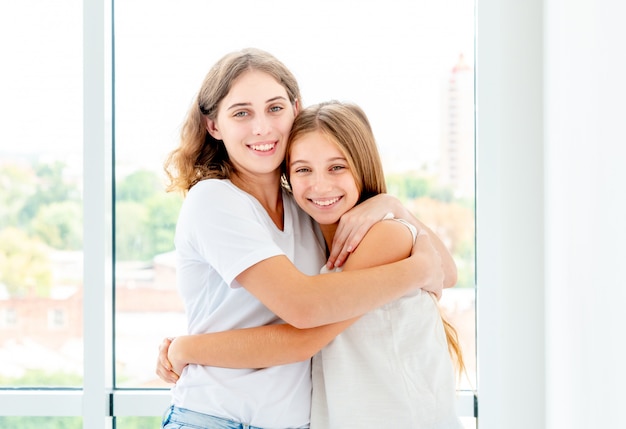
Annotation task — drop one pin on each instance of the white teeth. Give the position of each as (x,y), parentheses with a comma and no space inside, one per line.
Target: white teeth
(325,202)
(263,147)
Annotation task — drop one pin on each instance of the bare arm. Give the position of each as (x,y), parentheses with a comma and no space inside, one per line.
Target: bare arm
(323,299)
(356,222)
(280,344)
(259,347)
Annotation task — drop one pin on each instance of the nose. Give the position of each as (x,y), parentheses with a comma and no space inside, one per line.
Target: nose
(321,183)
(260,125)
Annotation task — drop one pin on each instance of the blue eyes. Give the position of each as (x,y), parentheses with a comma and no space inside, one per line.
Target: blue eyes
(334,168)
(244,113)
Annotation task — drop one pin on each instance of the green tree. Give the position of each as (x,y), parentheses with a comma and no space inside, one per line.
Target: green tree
(138,186)
(412,185)
(161,224)
(51,187)
(408,186)
(60,225)
(17,184)
(24,264)
(39,377)
(131,235)
(145,217)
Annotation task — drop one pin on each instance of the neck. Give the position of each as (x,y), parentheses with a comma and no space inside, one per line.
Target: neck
(266,189)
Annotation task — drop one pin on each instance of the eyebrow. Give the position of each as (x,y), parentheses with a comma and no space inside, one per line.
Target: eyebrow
(239,105)
(304,161)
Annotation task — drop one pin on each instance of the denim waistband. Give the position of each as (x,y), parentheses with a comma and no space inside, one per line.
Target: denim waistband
(193,419)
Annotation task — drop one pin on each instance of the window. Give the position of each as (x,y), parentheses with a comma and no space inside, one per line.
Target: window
(8,318)
(40,194)
(419,99)
(56,318)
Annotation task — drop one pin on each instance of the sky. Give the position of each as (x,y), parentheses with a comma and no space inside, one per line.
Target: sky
(390,57)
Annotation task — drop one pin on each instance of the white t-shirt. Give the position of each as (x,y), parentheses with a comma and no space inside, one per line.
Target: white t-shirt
(221,232)
(390,369)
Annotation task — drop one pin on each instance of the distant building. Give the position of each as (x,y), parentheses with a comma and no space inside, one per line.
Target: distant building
(457,130)
(147,308)
(49,321)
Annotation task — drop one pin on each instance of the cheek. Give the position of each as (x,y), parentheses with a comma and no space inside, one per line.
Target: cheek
(287,124)
(281,150)
(353,191)
(296,186)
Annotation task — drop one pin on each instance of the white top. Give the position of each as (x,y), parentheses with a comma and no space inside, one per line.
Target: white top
(222,231)
(390,369)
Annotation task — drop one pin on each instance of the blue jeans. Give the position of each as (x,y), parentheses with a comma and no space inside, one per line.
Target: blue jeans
(181,418)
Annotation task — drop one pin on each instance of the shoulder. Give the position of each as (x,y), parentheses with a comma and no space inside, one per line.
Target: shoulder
(213,194)
(387,241)
(410,226)
(394,232)
(212,203)
(211,186)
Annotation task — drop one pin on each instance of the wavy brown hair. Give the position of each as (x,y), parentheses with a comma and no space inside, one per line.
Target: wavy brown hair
(199,156)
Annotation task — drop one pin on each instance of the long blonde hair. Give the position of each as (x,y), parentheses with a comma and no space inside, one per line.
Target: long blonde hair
(347,126)
(199,156)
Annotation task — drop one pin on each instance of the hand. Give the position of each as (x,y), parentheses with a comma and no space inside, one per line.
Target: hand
(354,224)
(429,257)
(164,368)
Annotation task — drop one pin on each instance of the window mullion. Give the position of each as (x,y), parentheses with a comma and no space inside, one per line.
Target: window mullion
(96,170)
(50,403)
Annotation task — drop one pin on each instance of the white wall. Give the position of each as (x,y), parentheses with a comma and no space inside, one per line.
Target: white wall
(585,213)
(510,217)
(551,213)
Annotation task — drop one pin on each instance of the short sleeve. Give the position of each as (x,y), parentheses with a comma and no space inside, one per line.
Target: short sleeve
(224,227)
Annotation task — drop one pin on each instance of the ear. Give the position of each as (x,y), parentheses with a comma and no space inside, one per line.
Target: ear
(296,107)
(211,128)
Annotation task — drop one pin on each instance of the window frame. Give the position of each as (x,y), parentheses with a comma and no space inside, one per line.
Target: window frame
(99,401)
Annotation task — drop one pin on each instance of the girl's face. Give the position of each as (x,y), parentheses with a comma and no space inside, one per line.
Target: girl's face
(321,179)
(253,121)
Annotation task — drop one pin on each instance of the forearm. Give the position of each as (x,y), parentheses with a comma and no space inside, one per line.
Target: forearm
(364,290)
(259,347)
(310,301)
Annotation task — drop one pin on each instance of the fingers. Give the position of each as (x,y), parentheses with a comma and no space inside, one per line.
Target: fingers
(165,373)
(354,224)
(346,240)
(167,376)
(337,260)
(164,368)
(340,252)
(436,275)
(423,243)
(341,249)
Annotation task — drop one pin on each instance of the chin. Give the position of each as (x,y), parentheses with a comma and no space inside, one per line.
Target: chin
(325,219)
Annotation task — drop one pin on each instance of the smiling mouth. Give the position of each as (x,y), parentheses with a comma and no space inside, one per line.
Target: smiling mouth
(325,203)
(263,147)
